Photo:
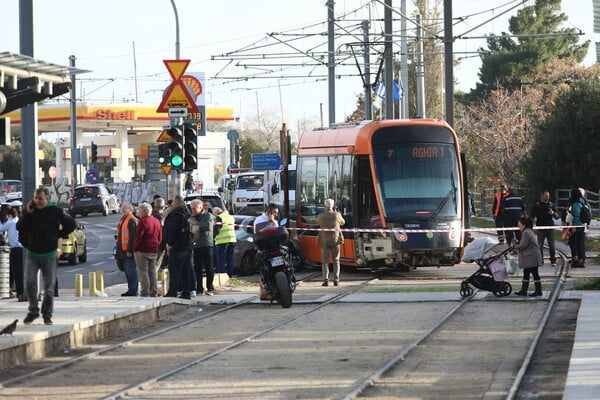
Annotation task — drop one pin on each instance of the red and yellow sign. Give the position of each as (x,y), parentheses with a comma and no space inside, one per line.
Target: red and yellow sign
(166,169)
(177,95)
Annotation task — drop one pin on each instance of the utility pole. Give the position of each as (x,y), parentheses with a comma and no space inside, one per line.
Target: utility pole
(448,62)
(367,80)
(75,154)
(177,53)
(389,61)
(331,60)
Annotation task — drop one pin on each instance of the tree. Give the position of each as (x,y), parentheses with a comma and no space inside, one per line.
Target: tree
(566,152)
(535,38)
(248,146)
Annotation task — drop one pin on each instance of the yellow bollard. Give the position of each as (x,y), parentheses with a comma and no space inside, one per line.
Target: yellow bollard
(92,283)
(165,281)
(100,281)
(78,285)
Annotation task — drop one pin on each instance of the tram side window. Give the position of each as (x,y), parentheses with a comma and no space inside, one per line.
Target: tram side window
(368,215)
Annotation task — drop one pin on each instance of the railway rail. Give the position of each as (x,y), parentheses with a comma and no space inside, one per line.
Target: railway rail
(270,344)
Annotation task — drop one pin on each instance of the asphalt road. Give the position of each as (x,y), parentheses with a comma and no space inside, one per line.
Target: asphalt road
(99,231)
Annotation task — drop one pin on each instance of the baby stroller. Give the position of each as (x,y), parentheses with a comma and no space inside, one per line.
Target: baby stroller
(491,258)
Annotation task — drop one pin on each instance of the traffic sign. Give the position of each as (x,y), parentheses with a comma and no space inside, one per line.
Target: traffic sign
(166,169)
(91,175)
(266,161)
(177,95)
(233,135)
(52,172)
(178,112)
(164,136)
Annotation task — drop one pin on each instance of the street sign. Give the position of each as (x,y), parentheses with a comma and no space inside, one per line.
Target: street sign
(166,169)
(163,137)
(266,161)
(52,172)
(91,175)
(178,112)
(177,95)
(233,169)
(233,135)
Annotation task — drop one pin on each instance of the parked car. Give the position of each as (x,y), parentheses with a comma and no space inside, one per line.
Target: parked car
(214,199)
(244,251)
(93,198)
(73,248)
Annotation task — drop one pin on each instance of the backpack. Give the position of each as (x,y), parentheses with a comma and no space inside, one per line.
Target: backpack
(586,212)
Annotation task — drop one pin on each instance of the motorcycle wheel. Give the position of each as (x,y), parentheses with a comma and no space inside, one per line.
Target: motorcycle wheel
(283,289)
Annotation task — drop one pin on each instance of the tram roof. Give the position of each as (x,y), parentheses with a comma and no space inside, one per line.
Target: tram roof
(354,138)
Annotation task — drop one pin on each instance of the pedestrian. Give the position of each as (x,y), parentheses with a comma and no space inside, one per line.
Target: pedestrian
(330,238)
(125,237)
(179,250)
(148,237)
(189,184)
(15,260)
(512,207)
(544,213)
(530,257)
(577,238)
(498,216)
(224,241)
(39,228)
(158,212)
(203,245)
(267,218)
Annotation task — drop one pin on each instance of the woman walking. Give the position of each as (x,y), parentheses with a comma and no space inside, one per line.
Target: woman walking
(530,257)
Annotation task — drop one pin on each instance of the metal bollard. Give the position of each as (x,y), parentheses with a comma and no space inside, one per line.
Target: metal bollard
(78,285)
(100,281)
(4,272)
(92,283)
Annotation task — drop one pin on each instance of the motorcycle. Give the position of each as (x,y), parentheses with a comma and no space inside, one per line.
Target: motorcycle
(275,263)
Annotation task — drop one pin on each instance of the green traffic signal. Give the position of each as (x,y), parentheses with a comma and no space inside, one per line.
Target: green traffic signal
(176,161)
(176,145)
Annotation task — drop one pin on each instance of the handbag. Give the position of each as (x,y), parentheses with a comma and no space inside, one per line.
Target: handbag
(511,266)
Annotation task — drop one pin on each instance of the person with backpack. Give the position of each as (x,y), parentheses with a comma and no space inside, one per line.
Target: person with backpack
(179,250)
(577,203)
(201,234)
(544,213)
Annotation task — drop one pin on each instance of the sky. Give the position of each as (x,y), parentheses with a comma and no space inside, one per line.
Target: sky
(123,44)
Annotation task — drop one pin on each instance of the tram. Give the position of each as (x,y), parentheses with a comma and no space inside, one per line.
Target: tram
(400,186)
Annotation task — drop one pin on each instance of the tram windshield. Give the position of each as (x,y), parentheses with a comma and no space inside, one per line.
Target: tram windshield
(418,181)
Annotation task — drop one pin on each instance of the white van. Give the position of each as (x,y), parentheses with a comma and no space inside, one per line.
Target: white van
(248,197)
(275,188)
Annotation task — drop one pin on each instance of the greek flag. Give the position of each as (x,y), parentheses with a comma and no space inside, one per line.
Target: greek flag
(398,90)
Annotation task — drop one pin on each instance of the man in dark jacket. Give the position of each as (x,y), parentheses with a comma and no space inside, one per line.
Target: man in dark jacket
(39,230)
(545,213)
(513,208)
(179,250)
(203,244)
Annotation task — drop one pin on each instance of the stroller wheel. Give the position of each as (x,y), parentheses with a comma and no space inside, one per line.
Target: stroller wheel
(466,291)
(503,289)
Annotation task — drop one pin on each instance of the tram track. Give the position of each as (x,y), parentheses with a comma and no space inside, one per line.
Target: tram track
(375,382)
(402,346)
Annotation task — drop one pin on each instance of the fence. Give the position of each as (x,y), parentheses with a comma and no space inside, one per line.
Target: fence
(483,201)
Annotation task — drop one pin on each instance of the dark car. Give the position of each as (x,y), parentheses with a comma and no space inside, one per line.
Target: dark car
(93,198)
(214,200)
(244,251)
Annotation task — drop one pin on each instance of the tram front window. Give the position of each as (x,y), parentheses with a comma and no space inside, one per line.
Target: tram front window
(418,181)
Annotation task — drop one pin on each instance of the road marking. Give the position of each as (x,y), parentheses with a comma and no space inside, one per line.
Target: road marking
(98,263)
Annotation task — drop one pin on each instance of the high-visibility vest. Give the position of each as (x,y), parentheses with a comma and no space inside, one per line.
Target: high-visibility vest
(123,232)
(499,197)
(227,232)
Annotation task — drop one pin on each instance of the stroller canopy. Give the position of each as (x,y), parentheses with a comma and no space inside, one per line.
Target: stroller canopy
(477,249)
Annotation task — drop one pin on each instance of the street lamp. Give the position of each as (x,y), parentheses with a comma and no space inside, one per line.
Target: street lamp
(176,30)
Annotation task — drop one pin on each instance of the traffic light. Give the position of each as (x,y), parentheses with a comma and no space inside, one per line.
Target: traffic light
(190,147)
(176,146)
(164,154)
(94,153)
